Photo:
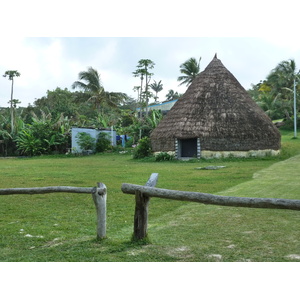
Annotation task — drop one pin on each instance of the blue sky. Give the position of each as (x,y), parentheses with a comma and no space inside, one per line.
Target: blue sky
(49,62)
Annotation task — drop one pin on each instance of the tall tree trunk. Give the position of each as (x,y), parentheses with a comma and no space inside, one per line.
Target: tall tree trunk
(141,93)
(146,91)
(11,107)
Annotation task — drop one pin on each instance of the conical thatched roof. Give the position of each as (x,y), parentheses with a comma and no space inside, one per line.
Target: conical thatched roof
(218,111)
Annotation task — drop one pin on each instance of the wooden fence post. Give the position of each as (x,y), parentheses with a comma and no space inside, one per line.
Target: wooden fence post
(141,210)
(99,194)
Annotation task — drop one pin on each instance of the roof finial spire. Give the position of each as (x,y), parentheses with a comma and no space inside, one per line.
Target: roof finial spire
(216,56)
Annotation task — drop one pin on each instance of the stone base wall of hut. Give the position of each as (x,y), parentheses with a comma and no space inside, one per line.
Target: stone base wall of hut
(212,148)
(252,153)
(226,154)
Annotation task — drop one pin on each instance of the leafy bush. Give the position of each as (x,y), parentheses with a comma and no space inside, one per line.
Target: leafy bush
(289,124)
(129,143)
(28,144)
(103,143)
(143,149)
(85,141)
(40,138)
(162,156)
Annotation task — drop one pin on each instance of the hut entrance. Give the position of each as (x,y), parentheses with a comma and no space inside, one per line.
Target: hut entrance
(188,148)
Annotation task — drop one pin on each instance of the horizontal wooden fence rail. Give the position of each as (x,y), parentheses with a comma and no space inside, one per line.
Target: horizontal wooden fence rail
(204,198)
(99,195)
(46,190)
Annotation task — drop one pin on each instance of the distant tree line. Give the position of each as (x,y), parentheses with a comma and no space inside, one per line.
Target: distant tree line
(45,126)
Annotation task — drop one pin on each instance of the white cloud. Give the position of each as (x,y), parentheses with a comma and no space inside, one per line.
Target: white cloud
(284,43)
(51,60)
(47,63)
(105,56)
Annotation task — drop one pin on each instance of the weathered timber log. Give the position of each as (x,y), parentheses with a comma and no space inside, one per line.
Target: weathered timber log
(140,216)
(99,196)
(46,190)
(152,180)
(205,198)
(141,209)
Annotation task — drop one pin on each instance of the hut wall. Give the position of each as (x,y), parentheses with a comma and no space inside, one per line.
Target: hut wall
(219,144)
(237,144)
(163,145)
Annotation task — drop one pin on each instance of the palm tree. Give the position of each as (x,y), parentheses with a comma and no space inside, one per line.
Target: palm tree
(190,69)
(114,99)
(92,79)
(156,87)
(270,105)
(281,80)
(11,74)
(172,95)
(143,67)
(283,75)
(90,83)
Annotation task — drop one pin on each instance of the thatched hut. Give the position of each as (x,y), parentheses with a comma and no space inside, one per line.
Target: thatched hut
(216,117)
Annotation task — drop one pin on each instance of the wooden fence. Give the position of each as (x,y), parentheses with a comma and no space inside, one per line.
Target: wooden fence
(99,194)
(142,198)
(143,194)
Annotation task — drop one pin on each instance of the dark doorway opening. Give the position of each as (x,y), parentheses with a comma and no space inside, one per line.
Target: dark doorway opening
(189,148)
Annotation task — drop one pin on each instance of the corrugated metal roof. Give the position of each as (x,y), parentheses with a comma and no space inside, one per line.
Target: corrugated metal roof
(160,105)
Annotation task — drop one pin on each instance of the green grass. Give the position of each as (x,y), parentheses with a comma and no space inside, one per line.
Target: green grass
(280,180)
(63,226)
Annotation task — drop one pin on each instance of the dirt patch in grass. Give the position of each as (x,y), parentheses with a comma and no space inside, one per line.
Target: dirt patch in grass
(294,256)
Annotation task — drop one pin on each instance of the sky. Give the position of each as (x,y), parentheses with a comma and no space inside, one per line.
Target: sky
(49,43)
(46,63)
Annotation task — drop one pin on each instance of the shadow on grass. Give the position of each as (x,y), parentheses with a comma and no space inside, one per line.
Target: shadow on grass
(121,246)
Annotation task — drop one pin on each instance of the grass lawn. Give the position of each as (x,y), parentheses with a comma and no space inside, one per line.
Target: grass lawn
(62,227)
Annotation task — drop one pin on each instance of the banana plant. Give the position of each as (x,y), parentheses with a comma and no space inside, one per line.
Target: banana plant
(28,144)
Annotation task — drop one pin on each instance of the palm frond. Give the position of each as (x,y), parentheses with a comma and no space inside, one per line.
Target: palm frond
(191,69)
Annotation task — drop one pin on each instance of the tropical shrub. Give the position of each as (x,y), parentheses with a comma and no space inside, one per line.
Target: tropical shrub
(162,156)
(103,143)
(41,138)
(143,149)
(289,124)
(85,141)
(28,144)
